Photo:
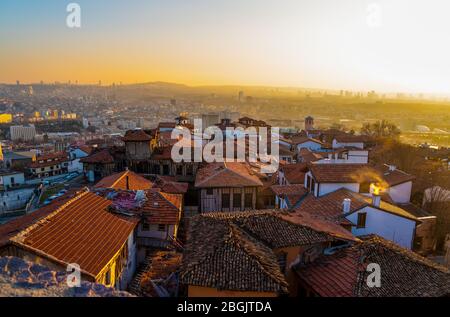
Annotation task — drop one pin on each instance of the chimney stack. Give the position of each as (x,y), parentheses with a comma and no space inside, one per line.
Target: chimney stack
(127,179)
(376,200)
(346,205)
(392,168)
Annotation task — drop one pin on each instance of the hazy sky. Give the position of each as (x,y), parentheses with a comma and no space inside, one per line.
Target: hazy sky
(342,44)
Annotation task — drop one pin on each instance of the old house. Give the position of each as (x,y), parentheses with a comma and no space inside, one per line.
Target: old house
(227,187)
(403,273)
(51,164)
(138,150)
(78,230)
(349,140)
(291,174)
(322,179)
(363,215)
(250,254)
(98,165)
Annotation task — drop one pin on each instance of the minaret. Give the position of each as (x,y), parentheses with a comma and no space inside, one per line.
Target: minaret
(309,123)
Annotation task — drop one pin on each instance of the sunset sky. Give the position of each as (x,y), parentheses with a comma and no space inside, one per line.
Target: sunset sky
(317,44)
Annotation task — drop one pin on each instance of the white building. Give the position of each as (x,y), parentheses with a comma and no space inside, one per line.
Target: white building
(347,140)
(363,215)
(24,133)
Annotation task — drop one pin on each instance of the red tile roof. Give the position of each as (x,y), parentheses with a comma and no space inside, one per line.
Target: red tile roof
(330,207)
(395,177)
(119,181)
(81,231)
(56,158)
(348,138)
(403,272)
(226,175)
(136,136)
(161,208)
(295,173)
(170,186)
(101,157)
(344,173)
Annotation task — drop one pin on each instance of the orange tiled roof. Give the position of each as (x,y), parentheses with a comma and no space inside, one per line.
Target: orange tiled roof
(101,157)
(81,231)
(136,136)
(404,273)
(119,181)
(344,173)
(161,208)
(330,207)
(295,173)
(349,138)
(395,177)
(226,175)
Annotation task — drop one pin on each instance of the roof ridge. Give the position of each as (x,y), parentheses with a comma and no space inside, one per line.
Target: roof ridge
(120,178)
(244,240)
(377,241)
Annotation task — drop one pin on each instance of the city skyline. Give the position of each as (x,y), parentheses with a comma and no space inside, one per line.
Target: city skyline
(386,46)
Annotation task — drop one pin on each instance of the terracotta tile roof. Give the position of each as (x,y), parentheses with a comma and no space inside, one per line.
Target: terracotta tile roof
(101,157)
(344,173)
(293,193)
(220,255)
(329,206)
(56,158)
(119,181)
(136,136)
(307,155)
(403,272)
(226,175)
(13,227)
(81,231)
(234,251)
(171,186)
(348,138)
(295,173)
(161,208)
(282,190)
(395,177)
(302,139)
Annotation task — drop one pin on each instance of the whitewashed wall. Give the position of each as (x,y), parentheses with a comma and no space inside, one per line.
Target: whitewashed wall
(389,226)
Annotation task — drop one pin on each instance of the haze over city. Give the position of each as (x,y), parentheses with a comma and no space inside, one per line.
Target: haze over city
(402,45)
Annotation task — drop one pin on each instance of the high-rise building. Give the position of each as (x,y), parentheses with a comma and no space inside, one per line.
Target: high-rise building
(24,133)
(241,96)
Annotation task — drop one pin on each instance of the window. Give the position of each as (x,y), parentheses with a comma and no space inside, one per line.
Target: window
(179,169)
(165,169)
(209,191)
(189,170)
(156,169)
(12,180)
(248,203)
(145,227)
(361,220)
(237,200)
(225,201)
(161,227)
